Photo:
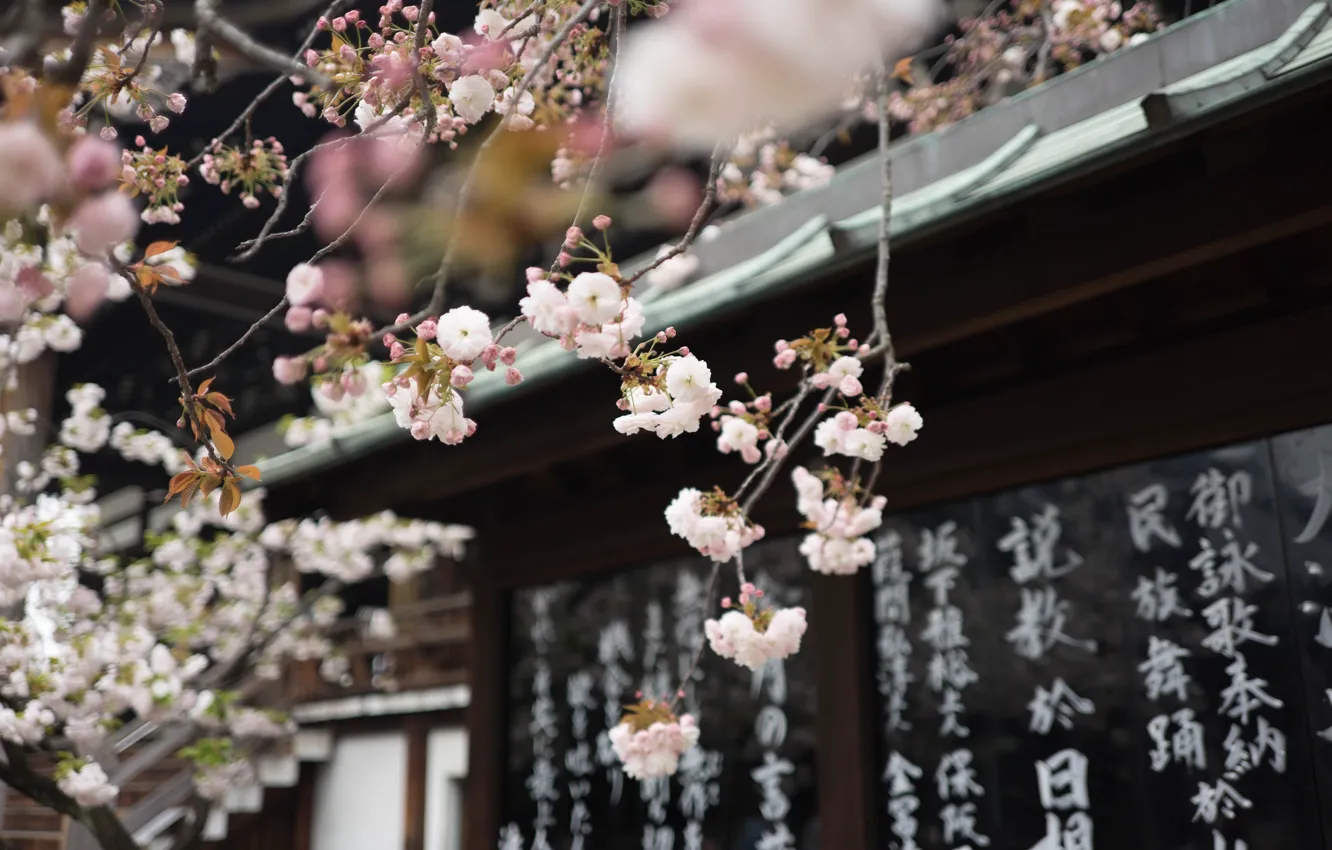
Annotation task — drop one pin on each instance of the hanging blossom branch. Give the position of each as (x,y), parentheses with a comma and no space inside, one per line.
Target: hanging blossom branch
(212,25)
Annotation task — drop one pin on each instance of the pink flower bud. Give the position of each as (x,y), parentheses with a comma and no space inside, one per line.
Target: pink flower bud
(461,375)
(289,370)
(736,407)
(489,355)
(339,24)
(535,273)
(389,339)
(508,354)
(684,351)
(402,319)
(176,102)
(670,333)
(726,602)
(846,421)
(850,386)
(86,290)
(427,329)
(513,377)
(781,345)
(763,403)
(564,259)
(93,164)
(660,337)
(573,236)
(840,320)
(355,383)
(785,359)
(396,350)
(420,430)
(319,318)
(742,378)
(601,222)
(298,319)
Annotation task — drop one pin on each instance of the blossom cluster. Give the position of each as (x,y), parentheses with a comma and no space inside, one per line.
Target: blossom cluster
(158,175)
(753,636)
(262,167)
(837,520)
(1013,48)
(650,740)
(426,396)
(374,69)
(712,523)
(762,170)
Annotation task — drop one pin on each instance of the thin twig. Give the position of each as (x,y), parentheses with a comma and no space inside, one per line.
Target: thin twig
(182,376)
(719,155)
(698,653)
(244,338)
(333,10)
(794,402)
(152,17)
(796,439)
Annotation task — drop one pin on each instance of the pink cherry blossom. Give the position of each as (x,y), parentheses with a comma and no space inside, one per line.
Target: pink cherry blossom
(30,167)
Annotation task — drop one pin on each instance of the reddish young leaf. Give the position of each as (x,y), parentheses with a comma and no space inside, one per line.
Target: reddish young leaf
(251,472)
(231,497)
(158,248)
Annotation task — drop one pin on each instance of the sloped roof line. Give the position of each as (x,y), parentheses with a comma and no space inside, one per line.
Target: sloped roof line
(1025,163)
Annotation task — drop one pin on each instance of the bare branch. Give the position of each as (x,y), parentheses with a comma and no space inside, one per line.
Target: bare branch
(422,87)
(333,10)
(80,53)
(775,463)
(696,225)
(211,23)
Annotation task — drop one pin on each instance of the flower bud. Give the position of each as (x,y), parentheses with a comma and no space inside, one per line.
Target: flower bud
(601,222)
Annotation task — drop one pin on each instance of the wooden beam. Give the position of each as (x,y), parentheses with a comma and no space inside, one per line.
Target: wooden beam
(1083,251)
(486,719)
(414,808)
(847,770)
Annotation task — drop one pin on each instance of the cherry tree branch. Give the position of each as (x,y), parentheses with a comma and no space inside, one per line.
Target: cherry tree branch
(422,87)
(333,9)
(211,23)
(80,53)
(719,155)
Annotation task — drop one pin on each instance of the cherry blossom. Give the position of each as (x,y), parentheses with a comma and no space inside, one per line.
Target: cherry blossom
(711,523)
(753,636)
(650,744)
(838,523)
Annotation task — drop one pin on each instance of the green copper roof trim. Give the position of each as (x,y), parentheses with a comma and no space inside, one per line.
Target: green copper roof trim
(1238,76)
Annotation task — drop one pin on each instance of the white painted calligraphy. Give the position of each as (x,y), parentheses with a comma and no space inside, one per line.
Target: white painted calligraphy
(578,759)
(1033,547)
(1058,704)
(1244,694)
(1147,520)
(1061,781)
(1218,800)
(1040,624)
(542,784)
(1217,498)
(900,776)
(1231,620)
(892,612)
(1158,598)
(1163,671)
(614,648)
(1228,568)
(1186,746)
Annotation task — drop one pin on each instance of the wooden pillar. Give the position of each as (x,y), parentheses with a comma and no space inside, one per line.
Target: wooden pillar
(846,752)
(303,833)
(485,719)
(36,389)
(414,813)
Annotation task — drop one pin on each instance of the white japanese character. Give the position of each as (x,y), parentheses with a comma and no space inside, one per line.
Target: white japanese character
(1146,509)
(1164,669)
(1217,499)
(1233,572)
(1041,624)
(1231,620)
(938,548)
(1244,695)
(1058,703)
(1219,800)
(1073,834)
(959,821)
(956,778)
(1065,774)
(900,775)
(951,710)
(1158,598)
(1033,547)
(902,810)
